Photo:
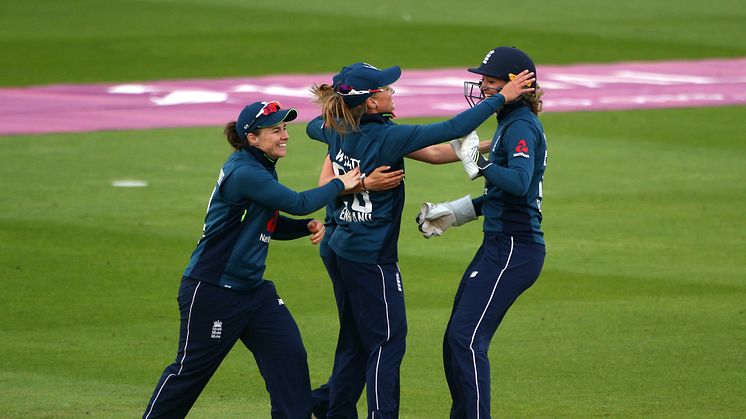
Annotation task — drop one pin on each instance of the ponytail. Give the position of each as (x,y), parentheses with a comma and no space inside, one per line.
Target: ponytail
(232,135)
(334,110)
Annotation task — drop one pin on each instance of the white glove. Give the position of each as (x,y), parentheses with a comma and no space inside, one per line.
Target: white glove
(456,146)
(467,150)
(435,219)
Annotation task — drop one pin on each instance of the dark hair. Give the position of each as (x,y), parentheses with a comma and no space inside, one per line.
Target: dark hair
(335,112)
(234,140)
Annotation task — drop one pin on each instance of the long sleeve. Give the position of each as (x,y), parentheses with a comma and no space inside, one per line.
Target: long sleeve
(478,203)
(291,228)
(404,139)
(316,131)
(521,141)
(261,187)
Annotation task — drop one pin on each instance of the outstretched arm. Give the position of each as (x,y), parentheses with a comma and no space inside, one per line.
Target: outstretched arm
(442,153)
(261,187)
(404,139)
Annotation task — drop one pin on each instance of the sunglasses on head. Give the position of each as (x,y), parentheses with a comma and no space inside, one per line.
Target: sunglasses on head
(346,90)
(268,108)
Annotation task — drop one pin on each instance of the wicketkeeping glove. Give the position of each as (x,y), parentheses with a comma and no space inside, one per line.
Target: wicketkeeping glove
(435,219)
(467,150)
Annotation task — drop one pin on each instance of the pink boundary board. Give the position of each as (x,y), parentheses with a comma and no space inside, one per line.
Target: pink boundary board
(419,93)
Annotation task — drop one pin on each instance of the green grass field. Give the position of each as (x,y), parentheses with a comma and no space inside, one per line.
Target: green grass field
(640,310)
(47,41)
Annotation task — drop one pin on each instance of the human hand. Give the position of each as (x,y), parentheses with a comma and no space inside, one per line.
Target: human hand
(518,85)
(317,229)
(351,179)
(380,180)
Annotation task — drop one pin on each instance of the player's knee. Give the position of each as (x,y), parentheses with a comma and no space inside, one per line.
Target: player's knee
(457,341)
(297,353)
(292,355)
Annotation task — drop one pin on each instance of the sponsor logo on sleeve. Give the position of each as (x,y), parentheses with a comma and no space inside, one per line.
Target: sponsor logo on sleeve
(271,226)
(521,150)
(272,222)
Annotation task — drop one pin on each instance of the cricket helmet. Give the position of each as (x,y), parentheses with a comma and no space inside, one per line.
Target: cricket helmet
(502,63)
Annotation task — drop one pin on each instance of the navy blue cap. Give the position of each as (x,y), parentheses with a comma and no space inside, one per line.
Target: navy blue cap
(262,115)
(501,62)
(355,81)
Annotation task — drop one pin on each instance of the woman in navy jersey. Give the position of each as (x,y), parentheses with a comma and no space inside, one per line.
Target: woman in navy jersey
(512,253)
(223,295)
(356,121)
(380,179)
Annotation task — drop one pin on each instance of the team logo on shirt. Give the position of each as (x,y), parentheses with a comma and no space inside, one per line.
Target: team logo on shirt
(521,150)
(217,329)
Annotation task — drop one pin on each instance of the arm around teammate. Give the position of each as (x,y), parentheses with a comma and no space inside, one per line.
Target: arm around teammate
(223,296)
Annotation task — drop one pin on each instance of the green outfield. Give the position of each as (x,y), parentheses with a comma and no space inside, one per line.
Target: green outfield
(47,41)
(640,310)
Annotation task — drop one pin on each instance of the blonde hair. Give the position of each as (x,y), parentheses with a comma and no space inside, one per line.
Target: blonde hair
(534,99)
(335,111)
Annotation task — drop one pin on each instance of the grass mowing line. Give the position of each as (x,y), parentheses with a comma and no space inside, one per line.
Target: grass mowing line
(601,333)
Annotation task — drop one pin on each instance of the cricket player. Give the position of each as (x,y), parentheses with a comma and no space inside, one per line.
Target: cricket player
(357,111)
(224,296)
(512,253)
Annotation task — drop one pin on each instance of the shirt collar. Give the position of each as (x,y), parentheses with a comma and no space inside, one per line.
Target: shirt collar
(258,154)
(508,109)
(381,118)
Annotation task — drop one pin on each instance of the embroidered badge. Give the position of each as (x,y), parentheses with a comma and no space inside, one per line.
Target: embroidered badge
(217,329)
